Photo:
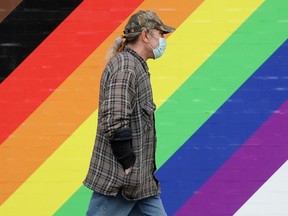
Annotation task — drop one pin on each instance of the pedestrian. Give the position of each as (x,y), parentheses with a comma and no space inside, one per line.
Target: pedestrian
(122,166)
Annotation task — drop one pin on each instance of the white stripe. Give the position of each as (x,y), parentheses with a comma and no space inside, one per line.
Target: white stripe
(271,198)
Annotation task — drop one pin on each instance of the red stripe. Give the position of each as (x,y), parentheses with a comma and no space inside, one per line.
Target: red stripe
(57,57)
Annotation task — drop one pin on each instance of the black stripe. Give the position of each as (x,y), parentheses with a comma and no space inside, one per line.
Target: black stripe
(6,7)
(26,27)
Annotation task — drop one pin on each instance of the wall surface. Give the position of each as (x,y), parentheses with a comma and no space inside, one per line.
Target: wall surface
(221,91)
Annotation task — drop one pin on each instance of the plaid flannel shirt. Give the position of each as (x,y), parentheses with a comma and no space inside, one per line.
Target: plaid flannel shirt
(125,102)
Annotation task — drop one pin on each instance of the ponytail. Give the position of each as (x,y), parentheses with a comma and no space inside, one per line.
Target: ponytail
(121,42)
(117,47)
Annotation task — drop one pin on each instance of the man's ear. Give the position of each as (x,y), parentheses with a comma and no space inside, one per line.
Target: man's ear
(144,36)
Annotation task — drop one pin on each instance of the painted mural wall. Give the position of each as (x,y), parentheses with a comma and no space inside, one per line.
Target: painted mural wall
(221,91)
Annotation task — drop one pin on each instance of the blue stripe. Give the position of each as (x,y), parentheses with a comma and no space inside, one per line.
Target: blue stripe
(224,133)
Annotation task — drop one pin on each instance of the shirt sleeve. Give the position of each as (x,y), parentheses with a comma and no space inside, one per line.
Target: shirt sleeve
(118,102)
(116,109)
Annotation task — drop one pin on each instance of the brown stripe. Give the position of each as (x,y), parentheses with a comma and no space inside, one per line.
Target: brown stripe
(6,7)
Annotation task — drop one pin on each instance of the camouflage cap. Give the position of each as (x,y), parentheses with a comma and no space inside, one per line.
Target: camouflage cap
(146,19)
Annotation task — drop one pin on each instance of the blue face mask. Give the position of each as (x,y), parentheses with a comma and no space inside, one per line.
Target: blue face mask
(158,51)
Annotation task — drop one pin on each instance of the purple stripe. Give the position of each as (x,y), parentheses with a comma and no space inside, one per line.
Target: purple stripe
(245,172)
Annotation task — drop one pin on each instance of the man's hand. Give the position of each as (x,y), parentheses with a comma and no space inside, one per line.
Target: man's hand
(127,171)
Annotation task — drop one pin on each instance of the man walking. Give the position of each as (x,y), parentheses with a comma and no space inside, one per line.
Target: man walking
(122,167)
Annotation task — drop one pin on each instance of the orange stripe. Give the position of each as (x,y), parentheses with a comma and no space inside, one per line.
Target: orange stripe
(61,114)
(36,78)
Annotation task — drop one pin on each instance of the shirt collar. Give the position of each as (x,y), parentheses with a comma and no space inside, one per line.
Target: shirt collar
(144,63)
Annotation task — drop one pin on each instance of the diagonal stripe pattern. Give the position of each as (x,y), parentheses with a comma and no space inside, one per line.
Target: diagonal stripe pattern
(6,7)
(53,111)
(217,47)
(215,141)
(246,165)
(26,27)
(39,135)
(268,193)
(41,73)
(216,80)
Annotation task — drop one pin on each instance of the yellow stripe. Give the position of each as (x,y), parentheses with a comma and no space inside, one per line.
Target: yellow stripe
(192,43)
(57,178)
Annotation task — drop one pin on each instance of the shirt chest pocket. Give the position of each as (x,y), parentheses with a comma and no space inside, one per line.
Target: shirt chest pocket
(148,109)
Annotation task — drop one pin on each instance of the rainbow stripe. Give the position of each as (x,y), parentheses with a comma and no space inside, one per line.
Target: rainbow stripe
(220,88)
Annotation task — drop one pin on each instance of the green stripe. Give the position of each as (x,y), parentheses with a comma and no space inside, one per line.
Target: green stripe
(77,204)
(210,86)
(220,76)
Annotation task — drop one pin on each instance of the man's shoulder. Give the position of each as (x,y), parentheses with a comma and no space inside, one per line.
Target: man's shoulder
(125,55)
(122,62)
(123,58)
